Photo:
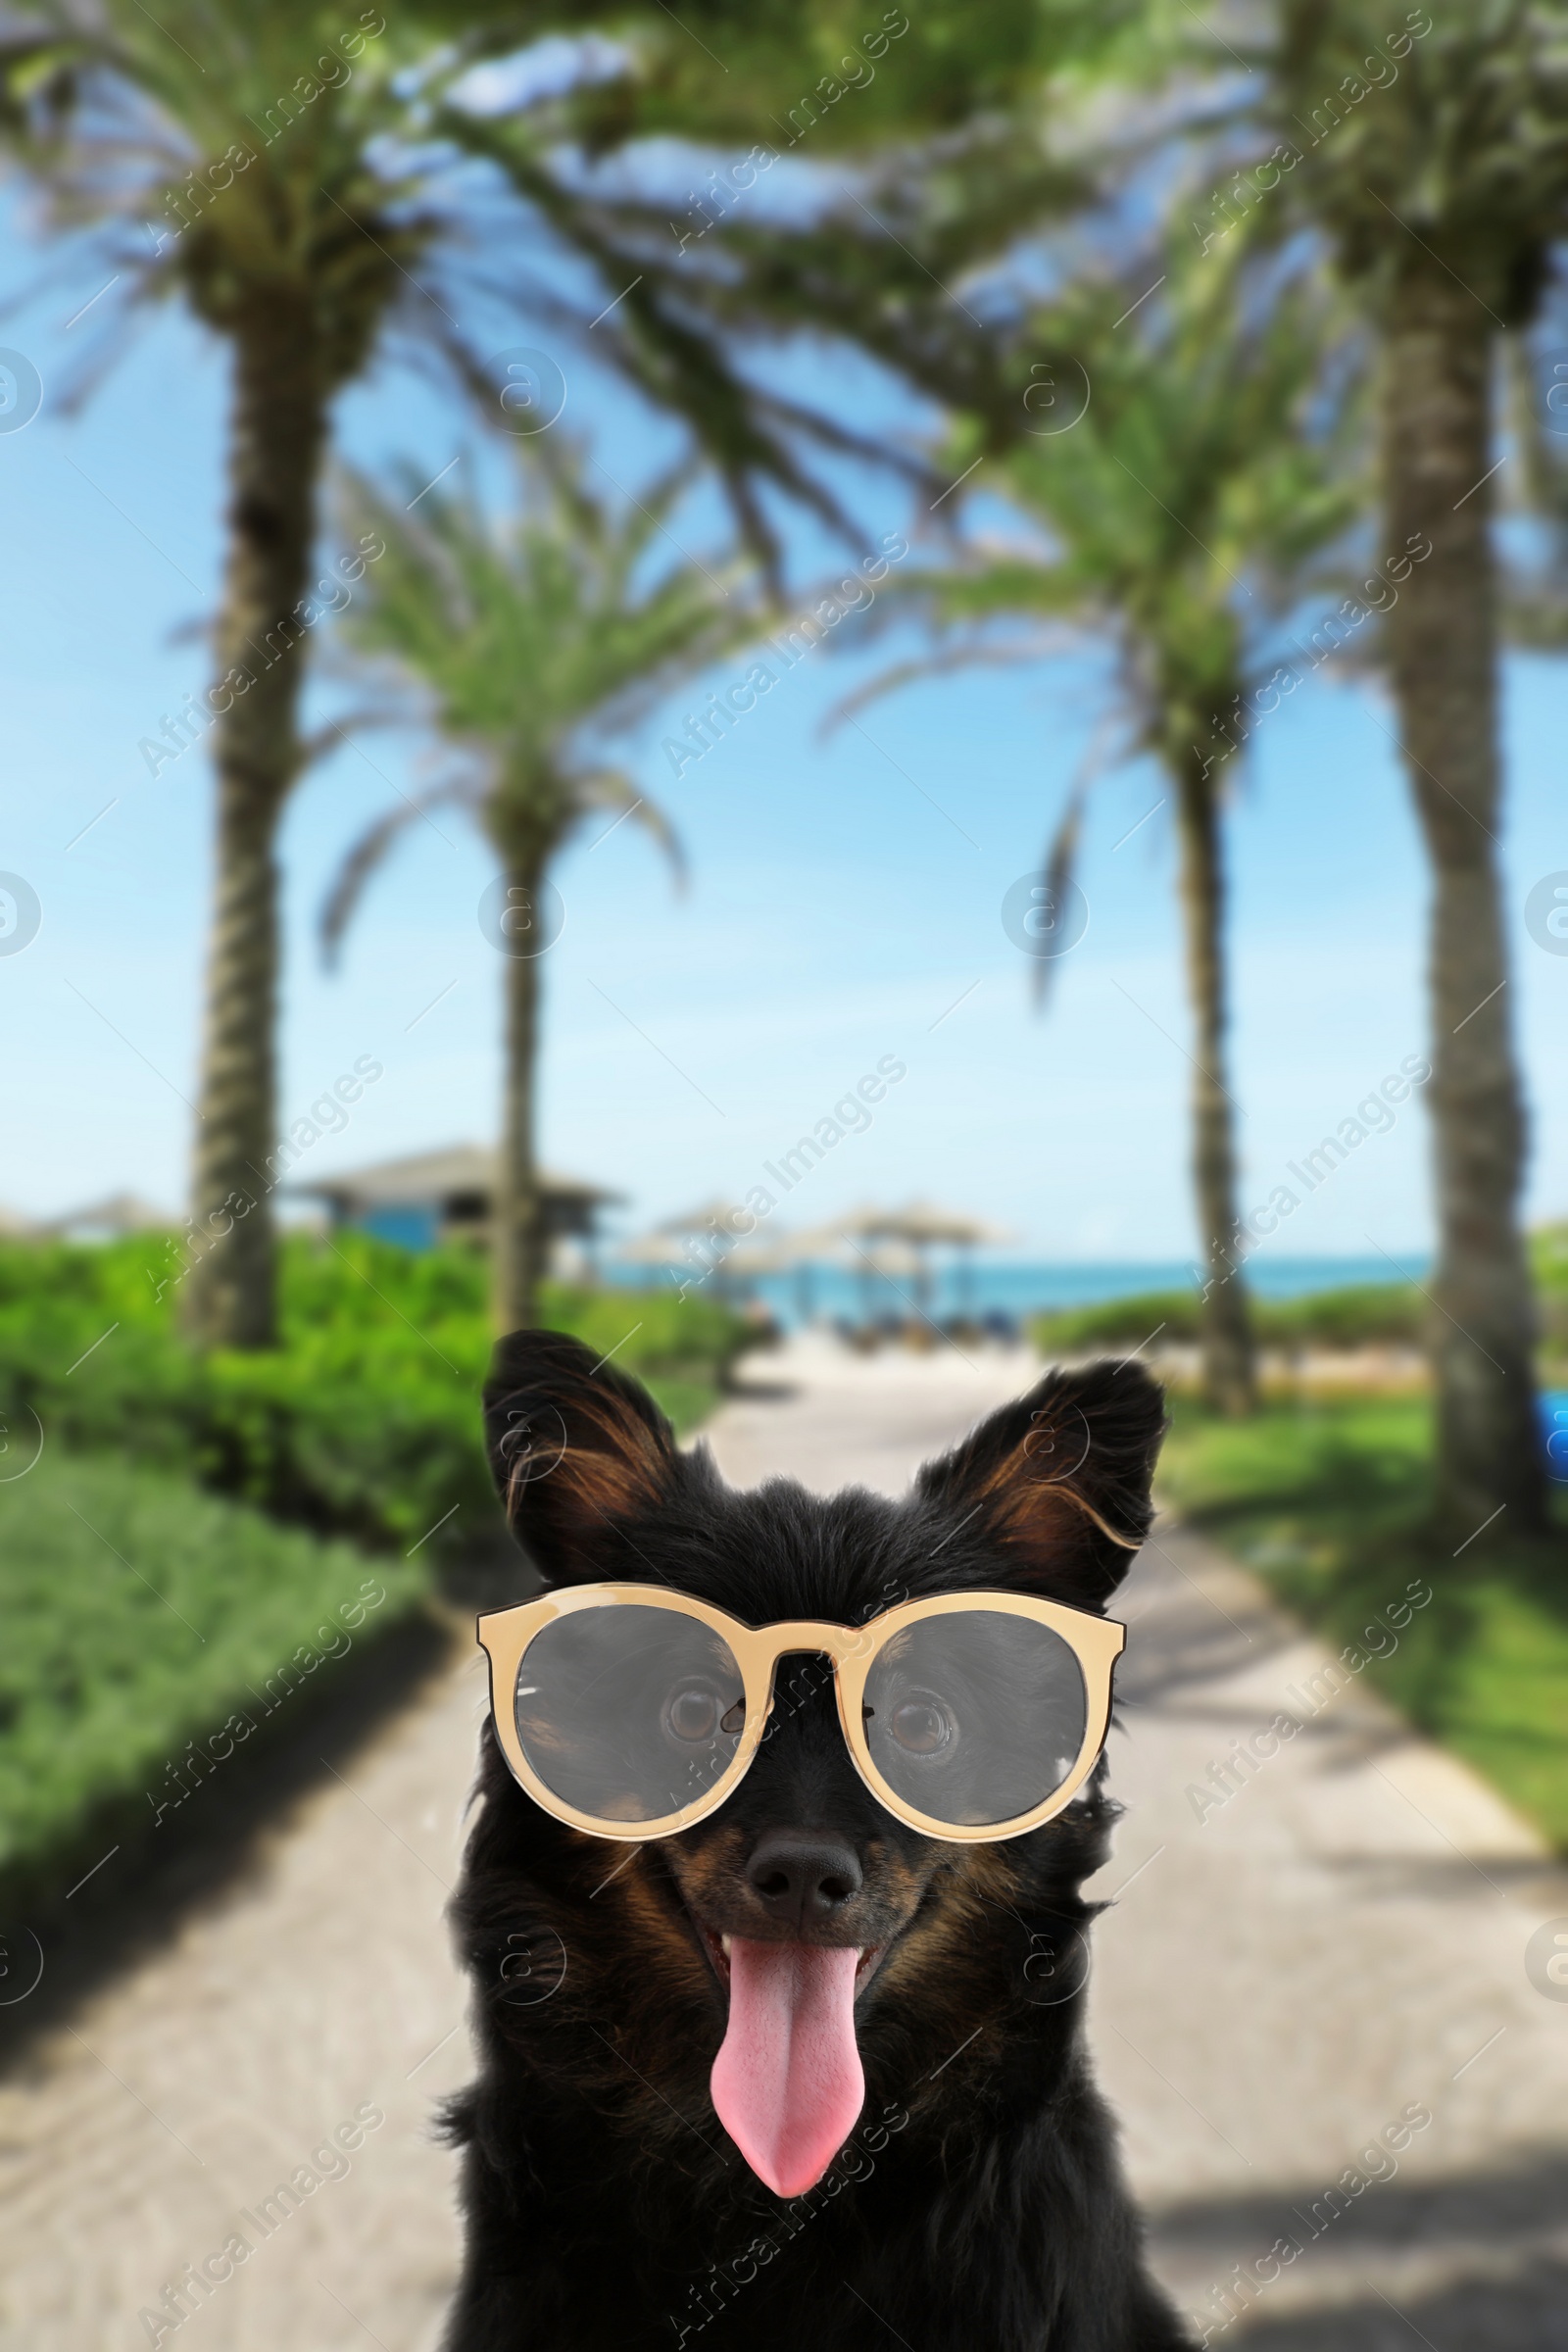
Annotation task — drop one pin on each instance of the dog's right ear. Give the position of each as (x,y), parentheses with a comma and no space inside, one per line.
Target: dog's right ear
(1061,1480)
(580,1454)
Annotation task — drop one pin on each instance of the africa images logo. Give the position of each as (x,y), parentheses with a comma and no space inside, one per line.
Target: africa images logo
(1546,913)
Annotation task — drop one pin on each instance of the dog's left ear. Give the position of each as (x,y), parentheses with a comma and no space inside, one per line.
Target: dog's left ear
(579,1452)
(1061,1480)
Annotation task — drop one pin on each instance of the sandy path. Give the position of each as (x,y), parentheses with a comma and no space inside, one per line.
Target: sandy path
(1343,1938)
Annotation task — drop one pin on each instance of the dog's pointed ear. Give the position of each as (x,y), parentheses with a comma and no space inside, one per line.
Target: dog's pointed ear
(580,1454)
(1060,1482)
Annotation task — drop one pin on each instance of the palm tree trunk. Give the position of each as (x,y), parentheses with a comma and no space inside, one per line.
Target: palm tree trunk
(1230,1380)
(278,434)
(1444,648)
(518,1228)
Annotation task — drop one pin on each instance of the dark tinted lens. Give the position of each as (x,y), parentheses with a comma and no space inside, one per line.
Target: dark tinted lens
(975,1717)
(627,1712)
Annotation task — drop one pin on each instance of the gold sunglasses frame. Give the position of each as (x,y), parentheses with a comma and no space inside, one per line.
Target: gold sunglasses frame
(505,1635)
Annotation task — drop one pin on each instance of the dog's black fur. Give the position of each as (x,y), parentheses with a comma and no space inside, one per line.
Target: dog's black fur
(979,2202)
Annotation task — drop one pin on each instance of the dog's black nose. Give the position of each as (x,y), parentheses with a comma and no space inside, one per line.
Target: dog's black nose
(802,1875)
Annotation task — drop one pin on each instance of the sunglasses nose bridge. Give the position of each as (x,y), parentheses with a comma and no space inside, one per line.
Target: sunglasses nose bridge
(765,1651)
(794,1650)
(814,1645)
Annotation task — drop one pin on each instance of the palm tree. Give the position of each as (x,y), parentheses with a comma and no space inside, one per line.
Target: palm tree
(1172,517)
(257,164)
(224,156)
(1436,163)
(526,647)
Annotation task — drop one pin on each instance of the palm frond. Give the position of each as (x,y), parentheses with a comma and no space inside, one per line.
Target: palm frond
(608,788)
(1059,872)
(942,663)
(370,851)
(1060,865)
(334,733)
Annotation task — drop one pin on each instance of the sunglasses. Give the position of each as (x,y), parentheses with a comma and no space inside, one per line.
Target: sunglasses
(633,1712)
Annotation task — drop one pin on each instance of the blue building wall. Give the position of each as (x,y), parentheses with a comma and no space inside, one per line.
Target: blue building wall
(409,1225)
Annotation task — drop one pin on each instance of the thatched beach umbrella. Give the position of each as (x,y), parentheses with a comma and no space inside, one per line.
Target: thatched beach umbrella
(700,1240)
(923,1225)
(649,1250)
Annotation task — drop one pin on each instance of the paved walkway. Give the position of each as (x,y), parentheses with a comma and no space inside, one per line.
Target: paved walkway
(1344,1939)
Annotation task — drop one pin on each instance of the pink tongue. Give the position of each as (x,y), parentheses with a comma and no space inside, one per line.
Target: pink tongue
(787,2085)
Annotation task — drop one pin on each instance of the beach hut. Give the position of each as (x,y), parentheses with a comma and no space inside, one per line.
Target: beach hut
(446,1196)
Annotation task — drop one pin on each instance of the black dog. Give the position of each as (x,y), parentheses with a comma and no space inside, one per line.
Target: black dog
(978,2201)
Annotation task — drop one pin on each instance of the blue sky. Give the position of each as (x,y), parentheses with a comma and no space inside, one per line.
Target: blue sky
(845,897)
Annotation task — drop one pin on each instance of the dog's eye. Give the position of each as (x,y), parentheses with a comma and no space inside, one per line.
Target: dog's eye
(924,1725)
(693,1715)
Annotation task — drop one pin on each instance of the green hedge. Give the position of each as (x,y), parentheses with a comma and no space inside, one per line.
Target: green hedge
(364,1422)
(1117,1322)
(1548,1256)
(140,1618)
(1357,1314)
(1360,1315)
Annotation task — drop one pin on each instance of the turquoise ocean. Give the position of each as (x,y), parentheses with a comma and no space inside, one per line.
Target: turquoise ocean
(829,1292)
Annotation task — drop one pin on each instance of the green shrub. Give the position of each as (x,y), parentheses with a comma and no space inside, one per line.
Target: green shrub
(1548,1252)
(140,1616)
(364,1422)
(1117,1323)
(1361,1314)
